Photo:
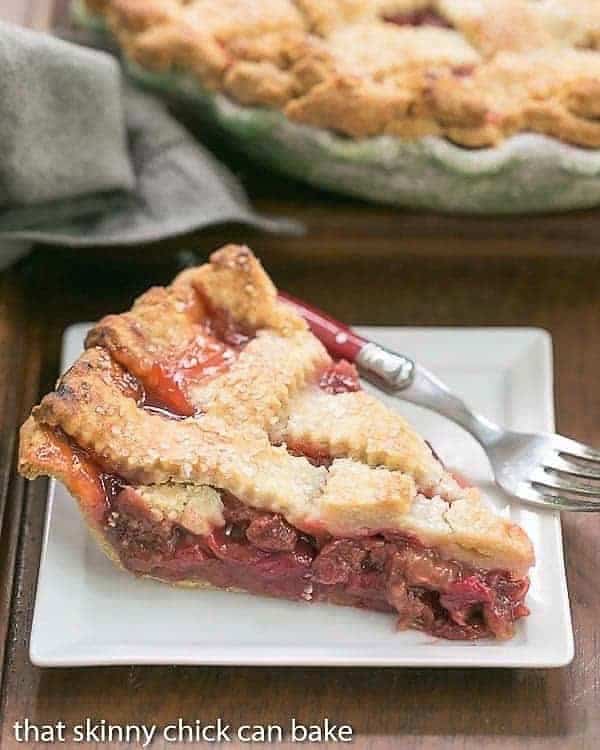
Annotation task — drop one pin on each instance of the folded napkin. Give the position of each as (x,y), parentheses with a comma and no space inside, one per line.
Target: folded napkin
(84,160)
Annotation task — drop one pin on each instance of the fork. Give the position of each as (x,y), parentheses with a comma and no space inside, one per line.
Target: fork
(541,469)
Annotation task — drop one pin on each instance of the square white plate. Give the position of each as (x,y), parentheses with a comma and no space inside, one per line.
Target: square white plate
(87,612)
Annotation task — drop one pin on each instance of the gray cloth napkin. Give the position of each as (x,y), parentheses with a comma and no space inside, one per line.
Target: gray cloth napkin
(86,161)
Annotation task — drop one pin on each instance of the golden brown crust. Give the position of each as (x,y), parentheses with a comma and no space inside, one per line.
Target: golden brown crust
(42,453)
(251,423)
(358,426)
(476,73)
(235,280)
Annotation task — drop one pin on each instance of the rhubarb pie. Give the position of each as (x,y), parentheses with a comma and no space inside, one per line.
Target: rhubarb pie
(211,441)
(473,71)
(386,99)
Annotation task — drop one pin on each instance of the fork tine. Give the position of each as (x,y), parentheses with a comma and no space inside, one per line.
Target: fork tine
(572,448)
(565,486)
(557,502)
(582,470)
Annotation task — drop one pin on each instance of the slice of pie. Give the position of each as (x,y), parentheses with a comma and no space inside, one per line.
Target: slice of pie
(210,440)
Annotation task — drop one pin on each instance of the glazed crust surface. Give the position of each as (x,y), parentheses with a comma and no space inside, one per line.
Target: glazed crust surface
(254,428)
(472,71)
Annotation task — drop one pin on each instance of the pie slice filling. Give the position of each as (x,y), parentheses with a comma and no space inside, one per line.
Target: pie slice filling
(211,441)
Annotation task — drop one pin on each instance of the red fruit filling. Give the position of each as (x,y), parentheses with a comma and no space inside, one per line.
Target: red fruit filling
(340,377)
(165,384)
(260,552)
(423,17)
(463,71)
(163,387)
(217,345)
(81,473)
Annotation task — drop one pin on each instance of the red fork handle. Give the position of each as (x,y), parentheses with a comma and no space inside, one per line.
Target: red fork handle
(392,370)
(339,340)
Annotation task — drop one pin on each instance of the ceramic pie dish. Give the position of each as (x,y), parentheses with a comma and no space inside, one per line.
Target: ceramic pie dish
(452,105)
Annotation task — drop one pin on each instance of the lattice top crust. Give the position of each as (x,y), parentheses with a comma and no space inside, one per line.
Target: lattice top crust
(474,71)
(212,385)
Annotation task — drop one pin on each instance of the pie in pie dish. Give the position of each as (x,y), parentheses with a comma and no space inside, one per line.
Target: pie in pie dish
(471,71)
(210,440)
(470,106)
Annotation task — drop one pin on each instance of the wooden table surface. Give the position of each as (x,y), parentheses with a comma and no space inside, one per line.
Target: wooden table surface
(366,265)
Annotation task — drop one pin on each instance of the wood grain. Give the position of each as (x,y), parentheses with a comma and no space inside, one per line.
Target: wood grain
(15,11)
(36,14)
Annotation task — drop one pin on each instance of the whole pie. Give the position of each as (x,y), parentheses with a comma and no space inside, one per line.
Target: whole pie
(472,71)
(210,440)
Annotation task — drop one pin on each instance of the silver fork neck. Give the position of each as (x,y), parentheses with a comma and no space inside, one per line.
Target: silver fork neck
(416,384)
